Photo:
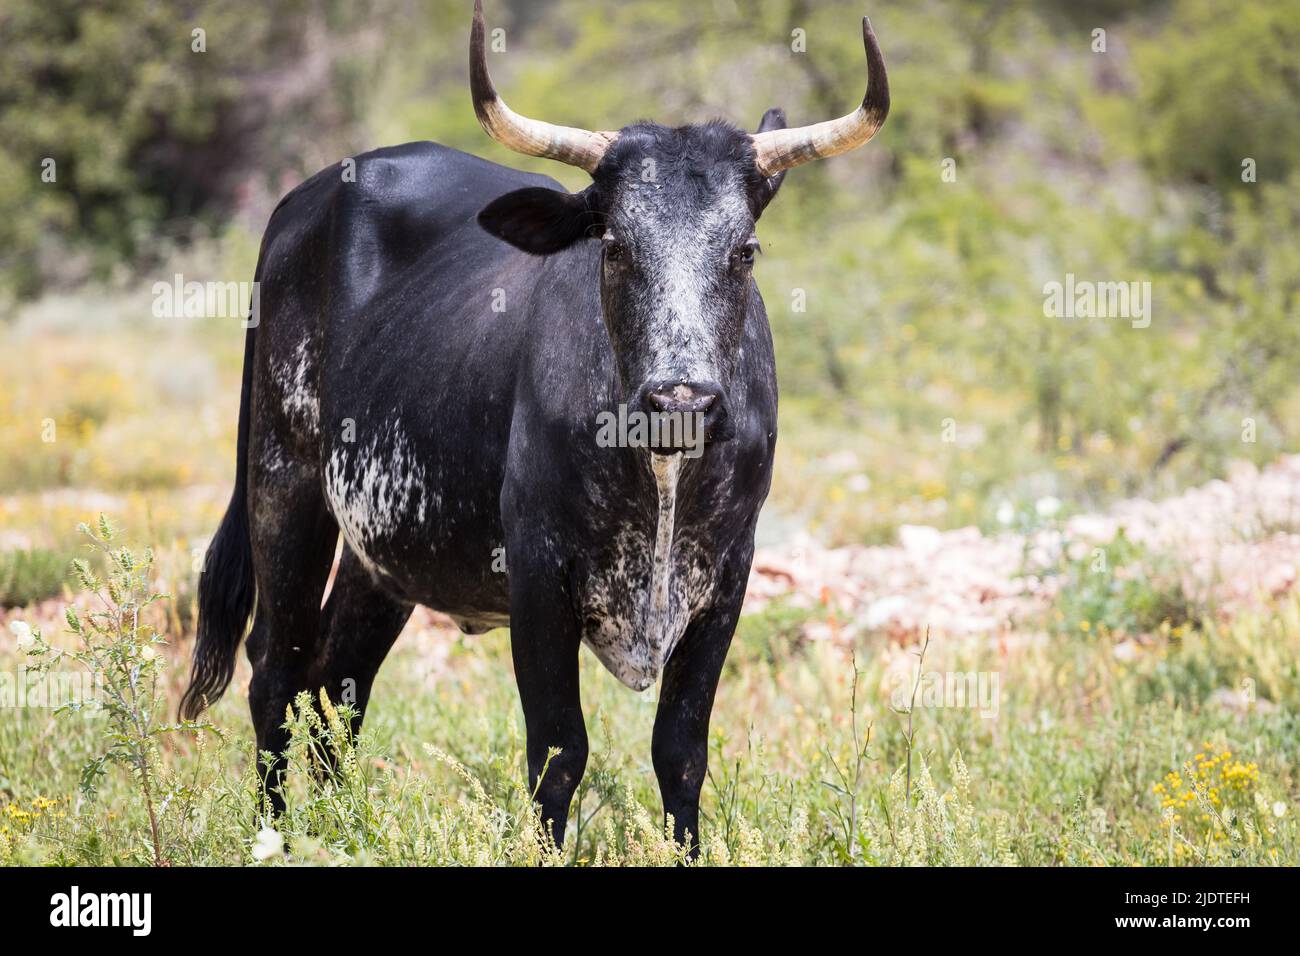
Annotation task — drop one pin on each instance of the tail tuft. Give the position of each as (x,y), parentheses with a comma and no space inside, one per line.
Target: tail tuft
(227,586)
(226,595)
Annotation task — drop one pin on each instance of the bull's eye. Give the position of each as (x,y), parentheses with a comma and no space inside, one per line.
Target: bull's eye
(614,251)
(744,254)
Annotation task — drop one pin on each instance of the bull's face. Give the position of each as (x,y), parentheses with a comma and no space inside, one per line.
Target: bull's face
(674,213)
(677,254)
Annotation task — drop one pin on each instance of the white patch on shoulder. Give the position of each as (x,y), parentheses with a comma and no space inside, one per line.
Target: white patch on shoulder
(373,488)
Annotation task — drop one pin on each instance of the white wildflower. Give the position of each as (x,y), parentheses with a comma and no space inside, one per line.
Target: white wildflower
(269,843)
(22,632)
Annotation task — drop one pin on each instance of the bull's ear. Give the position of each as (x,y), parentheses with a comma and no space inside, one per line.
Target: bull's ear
(540,220)
(766,192)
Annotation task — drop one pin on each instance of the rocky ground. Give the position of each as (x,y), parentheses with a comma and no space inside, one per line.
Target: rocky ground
(1235,543)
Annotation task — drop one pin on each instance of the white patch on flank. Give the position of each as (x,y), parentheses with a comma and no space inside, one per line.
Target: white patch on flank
(372,489)
(300,400)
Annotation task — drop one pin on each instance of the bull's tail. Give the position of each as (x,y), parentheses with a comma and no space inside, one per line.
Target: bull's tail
(227,588)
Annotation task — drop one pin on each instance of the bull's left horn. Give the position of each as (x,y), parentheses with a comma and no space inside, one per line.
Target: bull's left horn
(781,149)
(577,147)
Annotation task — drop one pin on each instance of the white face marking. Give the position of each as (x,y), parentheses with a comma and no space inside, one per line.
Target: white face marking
(684,320)
(373,488)
(680,257)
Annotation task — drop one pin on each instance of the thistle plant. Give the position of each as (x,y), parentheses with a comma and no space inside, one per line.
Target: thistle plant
(119,650)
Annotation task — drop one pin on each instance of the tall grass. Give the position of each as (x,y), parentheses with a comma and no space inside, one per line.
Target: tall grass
(1074,769)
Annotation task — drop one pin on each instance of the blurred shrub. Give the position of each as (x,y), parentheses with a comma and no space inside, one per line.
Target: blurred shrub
(1132,593)
(145,129)
(1218,83)
(29,575)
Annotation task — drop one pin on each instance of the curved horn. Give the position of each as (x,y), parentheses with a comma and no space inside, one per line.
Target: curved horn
(577,147)
(781,149)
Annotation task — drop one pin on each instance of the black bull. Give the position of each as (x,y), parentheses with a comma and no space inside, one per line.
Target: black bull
(439,341)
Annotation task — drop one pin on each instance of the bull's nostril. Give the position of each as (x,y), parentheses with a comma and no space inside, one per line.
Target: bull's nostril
(680,399)
(684,414)
(684,398)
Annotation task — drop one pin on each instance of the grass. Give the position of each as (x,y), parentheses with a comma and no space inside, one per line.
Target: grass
(1091,759)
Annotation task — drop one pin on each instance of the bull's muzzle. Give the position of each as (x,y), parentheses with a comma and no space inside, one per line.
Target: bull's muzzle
(685,415)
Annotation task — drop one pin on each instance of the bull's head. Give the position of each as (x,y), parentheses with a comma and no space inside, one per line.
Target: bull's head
(674,210)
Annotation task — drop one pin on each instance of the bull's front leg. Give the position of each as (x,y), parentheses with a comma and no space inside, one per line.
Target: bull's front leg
(680,746)
(544,641)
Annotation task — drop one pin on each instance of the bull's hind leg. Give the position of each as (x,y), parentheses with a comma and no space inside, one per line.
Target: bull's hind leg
(361,622)
(293,539)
